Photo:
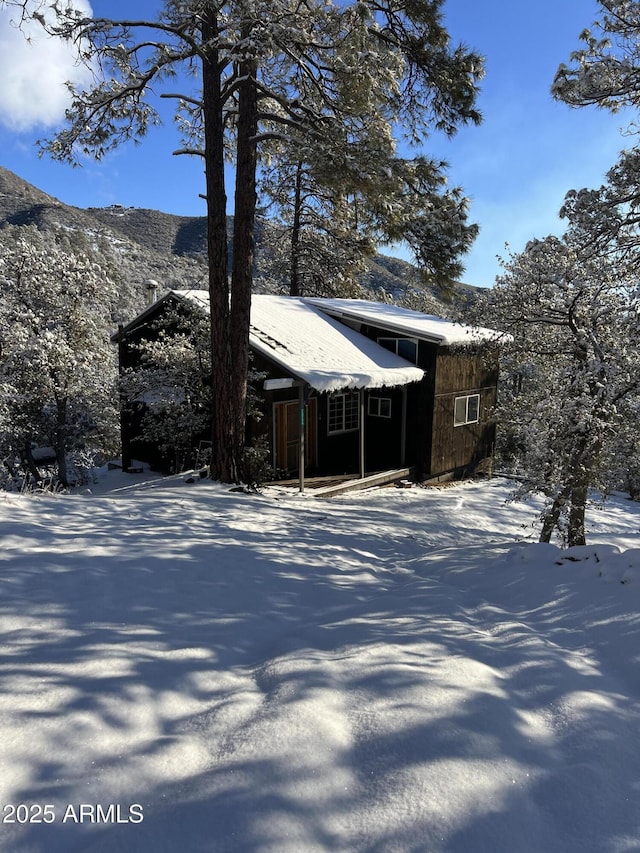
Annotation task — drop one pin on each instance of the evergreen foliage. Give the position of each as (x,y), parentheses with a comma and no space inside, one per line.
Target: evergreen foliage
(604,71)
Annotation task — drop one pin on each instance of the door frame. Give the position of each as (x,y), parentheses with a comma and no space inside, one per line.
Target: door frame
(283,443)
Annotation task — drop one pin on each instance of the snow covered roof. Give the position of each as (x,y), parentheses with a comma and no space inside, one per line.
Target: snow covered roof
(314,347)
(200,297)
(404,321)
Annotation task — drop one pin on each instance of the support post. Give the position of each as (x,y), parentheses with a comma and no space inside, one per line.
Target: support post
(301,461)
(362,436)
(403,427)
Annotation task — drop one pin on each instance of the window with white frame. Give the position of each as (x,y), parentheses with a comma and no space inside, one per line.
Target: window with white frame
(344,412)
(379,407)
(405,347)
(466,410)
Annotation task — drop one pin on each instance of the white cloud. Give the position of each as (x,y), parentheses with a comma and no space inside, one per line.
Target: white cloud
(33,70)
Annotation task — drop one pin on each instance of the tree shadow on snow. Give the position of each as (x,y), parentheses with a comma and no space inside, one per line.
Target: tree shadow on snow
(276,684)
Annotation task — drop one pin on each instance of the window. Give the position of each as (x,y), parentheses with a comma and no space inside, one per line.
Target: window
(466,410)
(344,412)
(405,347)
(380,407)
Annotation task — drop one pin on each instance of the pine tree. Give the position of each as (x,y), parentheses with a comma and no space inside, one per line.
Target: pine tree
(319,250)
(605,72)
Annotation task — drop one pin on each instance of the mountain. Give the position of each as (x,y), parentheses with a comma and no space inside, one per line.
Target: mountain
(136,261)
(171,250)
(157,232)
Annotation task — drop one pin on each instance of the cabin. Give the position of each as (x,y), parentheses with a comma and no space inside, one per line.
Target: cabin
(352,386)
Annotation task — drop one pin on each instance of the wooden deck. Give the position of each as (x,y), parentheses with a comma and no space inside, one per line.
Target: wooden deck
(326,487)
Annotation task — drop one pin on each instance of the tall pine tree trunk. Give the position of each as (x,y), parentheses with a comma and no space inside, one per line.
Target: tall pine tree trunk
(230,312)
(222,462)
(243,252)
(294,285)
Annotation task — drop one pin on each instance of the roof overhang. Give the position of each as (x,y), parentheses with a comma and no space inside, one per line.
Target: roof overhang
(320,350)
(405,322)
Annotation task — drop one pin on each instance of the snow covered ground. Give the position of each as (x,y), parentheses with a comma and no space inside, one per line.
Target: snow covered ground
(186,668)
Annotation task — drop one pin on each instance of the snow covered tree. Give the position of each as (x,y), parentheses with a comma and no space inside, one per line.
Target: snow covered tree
(172,385)
(571,393)
(246,68)
(605,71)
(622,461)
(332,222)
(608,218)
(569,364)
(57,367)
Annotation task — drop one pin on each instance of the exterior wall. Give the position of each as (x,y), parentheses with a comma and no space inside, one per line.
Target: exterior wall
(434,445)
(423,402)
(459,450)
(420,404)
(338,453)
(465,368)
(383,436)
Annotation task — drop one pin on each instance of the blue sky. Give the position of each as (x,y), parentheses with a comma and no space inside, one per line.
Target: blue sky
(516,167)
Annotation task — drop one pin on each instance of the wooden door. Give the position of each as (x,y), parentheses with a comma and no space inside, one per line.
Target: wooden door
(287,424)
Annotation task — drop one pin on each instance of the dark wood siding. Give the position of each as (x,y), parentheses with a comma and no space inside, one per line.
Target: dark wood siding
(338,453)
(383,436)
(465,369)
(462,372)
(420,401)
(461,449)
